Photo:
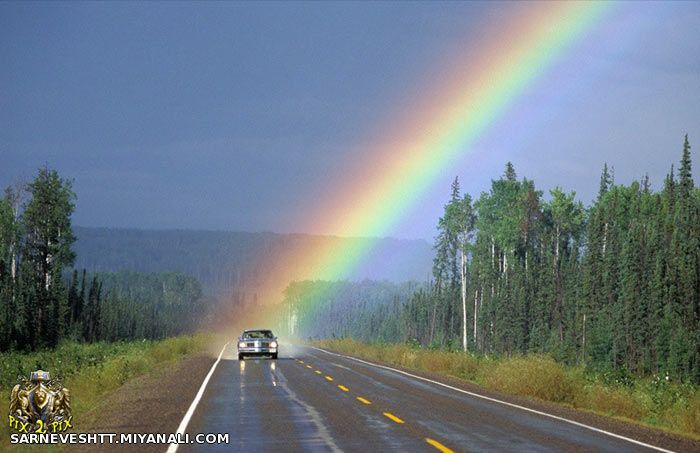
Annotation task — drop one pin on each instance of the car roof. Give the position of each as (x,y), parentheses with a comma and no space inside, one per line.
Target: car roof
(257,330)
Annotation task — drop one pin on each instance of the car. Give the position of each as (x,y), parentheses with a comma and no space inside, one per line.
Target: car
(257,342)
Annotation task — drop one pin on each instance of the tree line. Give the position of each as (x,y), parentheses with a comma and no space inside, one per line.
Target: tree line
(615,285)
(366,310)
(42,302)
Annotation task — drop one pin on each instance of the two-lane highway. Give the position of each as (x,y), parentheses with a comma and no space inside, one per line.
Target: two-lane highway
(312,400)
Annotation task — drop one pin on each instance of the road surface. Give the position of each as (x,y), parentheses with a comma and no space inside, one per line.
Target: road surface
(311,400)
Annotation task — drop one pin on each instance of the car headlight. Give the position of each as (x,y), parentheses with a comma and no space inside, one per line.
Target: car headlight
(241,344)
(273,344)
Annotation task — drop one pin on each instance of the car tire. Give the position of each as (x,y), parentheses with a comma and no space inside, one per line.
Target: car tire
(274,356)
(240,356)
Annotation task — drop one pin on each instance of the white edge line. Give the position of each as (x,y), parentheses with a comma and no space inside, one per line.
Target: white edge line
(172,448)
(592,428)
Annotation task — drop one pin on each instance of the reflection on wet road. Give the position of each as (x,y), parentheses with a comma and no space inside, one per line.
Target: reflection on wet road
(309,400)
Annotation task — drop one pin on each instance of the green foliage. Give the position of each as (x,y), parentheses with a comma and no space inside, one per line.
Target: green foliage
(47,223)
(42,303)
(614,288)
(92,371)
(140,305)
(537,376)
(65,360)
(654,400)
(367,309)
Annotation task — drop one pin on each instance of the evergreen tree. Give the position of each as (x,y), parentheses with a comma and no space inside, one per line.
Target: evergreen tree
(6,284)
(614,286)
(605,182)
(91,325)
(684,296)
(509,174)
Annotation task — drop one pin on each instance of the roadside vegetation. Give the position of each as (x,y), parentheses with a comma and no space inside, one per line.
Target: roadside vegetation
(612,287)
(596,307)
(653,401)
(95,331)
(44,301)
(91,371)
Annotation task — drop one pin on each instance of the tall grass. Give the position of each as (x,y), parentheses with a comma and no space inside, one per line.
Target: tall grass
(92,371)
(653,401)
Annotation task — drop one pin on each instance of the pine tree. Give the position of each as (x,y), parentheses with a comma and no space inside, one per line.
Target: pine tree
(605,182)
(685,173)
(92,312)
(685,249)
(632,283)
(509,174)
(567,218)
(6,284)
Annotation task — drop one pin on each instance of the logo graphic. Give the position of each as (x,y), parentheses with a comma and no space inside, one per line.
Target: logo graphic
(40,405)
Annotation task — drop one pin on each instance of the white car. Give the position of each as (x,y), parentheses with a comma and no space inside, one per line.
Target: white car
(257,342)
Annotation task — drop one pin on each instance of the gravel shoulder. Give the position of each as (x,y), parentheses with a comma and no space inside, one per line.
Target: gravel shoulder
(152,403)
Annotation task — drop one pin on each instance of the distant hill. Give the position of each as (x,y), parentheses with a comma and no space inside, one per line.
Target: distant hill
(229,262)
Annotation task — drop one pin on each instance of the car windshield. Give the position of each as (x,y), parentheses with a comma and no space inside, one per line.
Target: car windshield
(258,334)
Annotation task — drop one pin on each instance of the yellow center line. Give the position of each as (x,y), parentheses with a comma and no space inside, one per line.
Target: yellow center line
(309,366)
(328,378)
(343,388)
(300,361)
(317,372)
(362,400)
(438,445)
(393,417)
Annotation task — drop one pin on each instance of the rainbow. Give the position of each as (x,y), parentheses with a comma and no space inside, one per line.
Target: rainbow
(527,41)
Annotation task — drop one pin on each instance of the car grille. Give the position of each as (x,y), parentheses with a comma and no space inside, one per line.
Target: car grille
(257,344)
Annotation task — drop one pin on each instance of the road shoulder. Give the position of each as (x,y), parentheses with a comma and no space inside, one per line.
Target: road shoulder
(652,436)
(152,403)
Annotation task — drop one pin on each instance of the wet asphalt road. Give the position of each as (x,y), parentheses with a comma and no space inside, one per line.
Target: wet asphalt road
(309,400)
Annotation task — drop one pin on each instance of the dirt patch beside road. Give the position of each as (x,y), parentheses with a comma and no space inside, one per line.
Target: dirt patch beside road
(153,403)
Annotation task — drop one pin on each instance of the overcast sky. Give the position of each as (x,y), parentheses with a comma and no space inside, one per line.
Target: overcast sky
(232,116)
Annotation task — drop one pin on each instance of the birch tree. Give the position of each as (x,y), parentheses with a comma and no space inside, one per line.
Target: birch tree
(47,245)
(460,219)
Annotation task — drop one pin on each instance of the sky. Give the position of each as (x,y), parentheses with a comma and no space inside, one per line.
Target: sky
(242,116)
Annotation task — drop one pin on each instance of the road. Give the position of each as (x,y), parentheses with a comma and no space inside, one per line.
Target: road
(311,400)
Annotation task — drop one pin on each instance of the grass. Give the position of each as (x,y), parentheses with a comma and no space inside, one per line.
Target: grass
(652,401)
(91,371)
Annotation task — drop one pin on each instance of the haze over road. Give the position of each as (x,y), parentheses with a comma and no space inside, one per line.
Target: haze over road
(312,400)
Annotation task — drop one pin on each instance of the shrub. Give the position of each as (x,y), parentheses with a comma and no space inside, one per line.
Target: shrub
(92,370)
(537,376)
(684,415)
(655,401)
(619,401)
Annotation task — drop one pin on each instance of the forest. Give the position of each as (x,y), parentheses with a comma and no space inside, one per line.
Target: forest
(44,301)
(224,261)
(613,286)
(366,310)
